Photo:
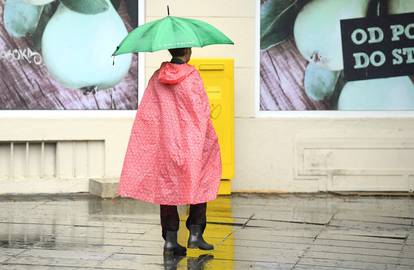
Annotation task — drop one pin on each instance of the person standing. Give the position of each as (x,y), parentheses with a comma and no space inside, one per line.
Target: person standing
(173,154)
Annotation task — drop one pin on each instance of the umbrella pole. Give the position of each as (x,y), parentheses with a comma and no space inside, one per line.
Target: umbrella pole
(168,10)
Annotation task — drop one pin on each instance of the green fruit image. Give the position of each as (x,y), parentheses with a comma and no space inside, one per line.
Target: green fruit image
(395,93)
(38,2)
(20,18)
(77,48)
(401,6)
(317,29)
(320,82)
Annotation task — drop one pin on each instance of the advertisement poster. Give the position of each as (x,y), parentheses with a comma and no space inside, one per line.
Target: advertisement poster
(351,55)
(56,55)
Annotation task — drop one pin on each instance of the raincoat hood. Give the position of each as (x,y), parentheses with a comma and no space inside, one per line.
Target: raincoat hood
(174,73)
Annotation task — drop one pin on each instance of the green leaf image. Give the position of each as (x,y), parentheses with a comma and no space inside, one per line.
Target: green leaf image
(116,4)
(86,7)
(132,8)
(276,20)
(48,11)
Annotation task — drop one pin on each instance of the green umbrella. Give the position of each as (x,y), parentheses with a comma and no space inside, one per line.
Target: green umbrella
(171,32)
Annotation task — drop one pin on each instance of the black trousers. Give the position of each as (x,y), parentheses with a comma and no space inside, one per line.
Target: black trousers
(170,221)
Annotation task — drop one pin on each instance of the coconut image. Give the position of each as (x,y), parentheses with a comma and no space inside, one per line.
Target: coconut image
(77,48)
(317,30)
(396,93)
(319,82)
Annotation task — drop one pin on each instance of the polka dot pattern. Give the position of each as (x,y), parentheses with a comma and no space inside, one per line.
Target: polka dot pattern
(173,155)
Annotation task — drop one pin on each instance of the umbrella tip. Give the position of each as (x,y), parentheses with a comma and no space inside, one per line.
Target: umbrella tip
(168,10)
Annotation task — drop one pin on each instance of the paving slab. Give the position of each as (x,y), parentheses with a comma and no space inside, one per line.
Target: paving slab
(298,231)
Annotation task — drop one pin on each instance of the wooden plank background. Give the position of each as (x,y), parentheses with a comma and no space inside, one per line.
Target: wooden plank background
(282,72)
(25,86)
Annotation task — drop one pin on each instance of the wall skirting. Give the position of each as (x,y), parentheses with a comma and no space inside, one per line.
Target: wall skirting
(44,186)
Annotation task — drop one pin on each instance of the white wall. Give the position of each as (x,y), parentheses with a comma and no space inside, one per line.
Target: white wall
(282,152)
(318,154)
(54,152)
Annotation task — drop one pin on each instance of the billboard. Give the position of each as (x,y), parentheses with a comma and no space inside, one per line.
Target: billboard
(337,55)
(56,55)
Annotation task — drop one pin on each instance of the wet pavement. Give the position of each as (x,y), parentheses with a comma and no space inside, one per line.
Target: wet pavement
(73,232)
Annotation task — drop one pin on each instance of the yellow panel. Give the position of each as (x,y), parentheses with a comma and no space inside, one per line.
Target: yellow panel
(225,187)
(218,78)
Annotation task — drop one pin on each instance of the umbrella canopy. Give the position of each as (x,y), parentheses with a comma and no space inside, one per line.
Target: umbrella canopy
(171,32)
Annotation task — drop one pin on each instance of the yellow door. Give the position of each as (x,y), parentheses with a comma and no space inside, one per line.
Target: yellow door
(218,78)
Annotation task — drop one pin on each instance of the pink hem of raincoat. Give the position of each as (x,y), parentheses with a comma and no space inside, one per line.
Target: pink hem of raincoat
(126,195)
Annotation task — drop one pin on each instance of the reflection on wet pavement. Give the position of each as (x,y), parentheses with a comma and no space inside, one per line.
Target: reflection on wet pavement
(249,232)
(193,263)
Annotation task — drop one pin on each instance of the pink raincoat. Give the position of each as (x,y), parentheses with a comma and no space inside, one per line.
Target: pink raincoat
(173,155)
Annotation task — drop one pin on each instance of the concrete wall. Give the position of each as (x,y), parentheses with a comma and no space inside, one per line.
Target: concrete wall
(275,152)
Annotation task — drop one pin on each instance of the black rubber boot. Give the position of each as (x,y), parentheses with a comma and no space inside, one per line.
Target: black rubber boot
(171,246)
(195,240)
(199,263)
(171,262)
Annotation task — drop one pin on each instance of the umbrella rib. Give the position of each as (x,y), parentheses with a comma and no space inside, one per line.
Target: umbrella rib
(154,37)
(157,34)
(189,29)
(200,41)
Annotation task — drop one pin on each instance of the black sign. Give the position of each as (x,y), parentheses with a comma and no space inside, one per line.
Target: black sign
(378,47)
